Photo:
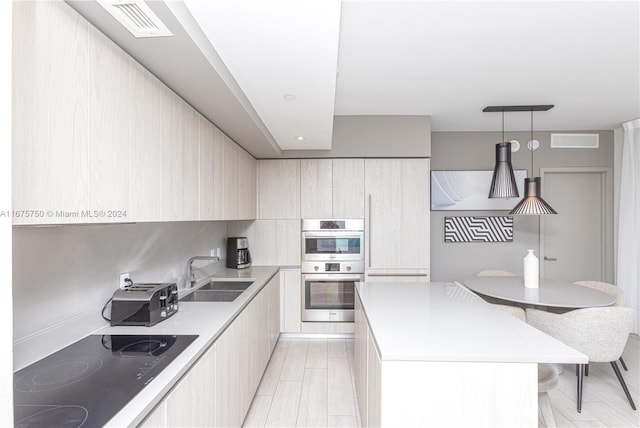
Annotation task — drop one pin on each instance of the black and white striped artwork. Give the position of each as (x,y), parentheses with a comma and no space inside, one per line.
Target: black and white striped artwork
(478,229)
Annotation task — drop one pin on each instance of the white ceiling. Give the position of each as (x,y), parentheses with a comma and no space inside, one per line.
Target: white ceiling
(280,48)
(445,59)
(451,59)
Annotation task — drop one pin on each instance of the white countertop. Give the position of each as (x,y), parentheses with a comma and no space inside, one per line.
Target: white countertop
(445,322)
(206,319)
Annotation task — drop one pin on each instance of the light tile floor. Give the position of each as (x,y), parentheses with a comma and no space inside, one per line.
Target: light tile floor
(603,401)
(309,383)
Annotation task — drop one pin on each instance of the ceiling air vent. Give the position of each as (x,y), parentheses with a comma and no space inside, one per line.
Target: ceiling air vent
(136,17)
(575,141)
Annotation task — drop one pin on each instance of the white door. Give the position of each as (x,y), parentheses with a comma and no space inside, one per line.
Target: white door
(574,244)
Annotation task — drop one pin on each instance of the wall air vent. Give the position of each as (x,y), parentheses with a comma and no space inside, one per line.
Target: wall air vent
(575,141)
(136,17)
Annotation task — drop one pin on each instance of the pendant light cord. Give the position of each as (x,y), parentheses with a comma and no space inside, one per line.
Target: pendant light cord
(532,143)
(503,126)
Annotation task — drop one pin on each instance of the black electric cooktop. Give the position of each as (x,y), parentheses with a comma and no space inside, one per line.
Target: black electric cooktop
(89,381)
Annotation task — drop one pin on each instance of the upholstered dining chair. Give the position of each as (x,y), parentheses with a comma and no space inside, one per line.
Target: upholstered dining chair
(612,291)
(495,272)
(607,288)
(600,333)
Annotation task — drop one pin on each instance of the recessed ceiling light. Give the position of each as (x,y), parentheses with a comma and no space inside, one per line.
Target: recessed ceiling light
(300,138)
(290,97)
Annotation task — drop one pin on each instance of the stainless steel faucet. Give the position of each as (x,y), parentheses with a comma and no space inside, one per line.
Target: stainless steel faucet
(190,275)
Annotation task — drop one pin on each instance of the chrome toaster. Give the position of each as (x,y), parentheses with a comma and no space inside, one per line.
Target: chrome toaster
(144,304)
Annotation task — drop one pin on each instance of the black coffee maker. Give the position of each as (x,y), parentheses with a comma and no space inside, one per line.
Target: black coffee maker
(238,256)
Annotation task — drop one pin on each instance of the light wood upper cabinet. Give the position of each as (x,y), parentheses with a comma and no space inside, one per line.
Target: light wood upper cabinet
(111,104)
(348,188)
(231,184)
(145,148)
(397,218)
(95,132)
(179,160)
(279,189)
(316,188)
(211,171)
(332,188)
(247,186)
(50,111)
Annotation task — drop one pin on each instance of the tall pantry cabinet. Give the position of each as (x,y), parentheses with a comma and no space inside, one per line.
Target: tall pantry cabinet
(397,219)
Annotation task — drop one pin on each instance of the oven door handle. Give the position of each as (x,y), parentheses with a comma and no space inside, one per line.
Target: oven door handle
(329,277)
(333,234)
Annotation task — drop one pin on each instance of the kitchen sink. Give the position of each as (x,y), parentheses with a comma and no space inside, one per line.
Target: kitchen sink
(227,285)
(212,296)
(218,291)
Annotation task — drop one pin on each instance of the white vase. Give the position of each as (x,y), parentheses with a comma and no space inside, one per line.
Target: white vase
(531,270)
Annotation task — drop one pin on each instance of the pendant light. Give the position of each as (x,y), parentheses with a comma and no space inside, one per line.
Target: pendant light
(503,183)
(532,203)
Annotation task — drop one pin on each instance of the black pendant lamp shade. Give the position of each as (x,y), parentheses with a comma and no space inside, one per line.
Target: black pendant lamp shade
(503,183)
(532,203)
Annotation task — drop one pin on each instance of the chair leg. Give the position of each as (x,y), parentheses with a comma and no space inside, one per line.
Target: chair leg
(545,408)
(624,366)
(580,368)
(624,385)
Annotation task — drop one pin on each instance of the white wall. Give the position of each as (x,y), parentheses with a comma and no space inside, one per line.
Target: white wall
(6,363)
(63,275)
(384,136)
(476,151)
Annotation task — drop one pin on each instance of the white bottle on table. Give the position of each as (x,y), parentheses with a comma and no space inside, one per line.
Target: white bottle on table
(531,270)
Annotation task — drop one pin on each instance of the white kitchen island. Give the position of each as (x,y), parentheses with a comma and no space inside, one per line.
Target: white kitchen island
(435,354)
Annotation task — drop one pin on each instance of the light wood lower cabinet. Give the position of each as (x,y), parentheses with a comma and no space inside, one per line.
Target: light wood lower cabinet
(403,393)
(190,403)
(360,360)
(219,387)
(368,370)
(274,311)
(290,301)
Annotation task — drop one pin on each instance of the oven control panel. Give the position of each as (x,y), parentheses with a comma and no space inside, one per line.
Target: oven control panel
(332,267)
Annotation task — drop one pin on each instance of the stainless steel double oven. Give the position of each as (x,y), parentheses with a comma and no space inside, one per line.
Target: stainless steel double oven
(332,263)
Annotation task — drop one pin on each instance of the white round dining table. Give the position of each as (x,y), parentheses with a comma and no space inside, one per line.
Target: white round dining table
(550,293)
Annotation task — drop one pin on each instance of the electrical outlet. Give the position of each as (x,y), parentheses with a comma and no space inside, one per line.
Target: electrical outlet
(123,279)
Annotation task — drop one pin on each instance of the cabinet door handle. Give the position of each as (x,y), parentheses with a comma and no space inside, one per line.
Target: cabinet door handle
(550,259)
(396,274)
(369,227)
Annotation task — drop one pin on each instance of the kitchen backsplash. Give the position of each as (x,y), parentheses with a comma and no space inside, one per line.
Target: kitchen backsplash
(63,275)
